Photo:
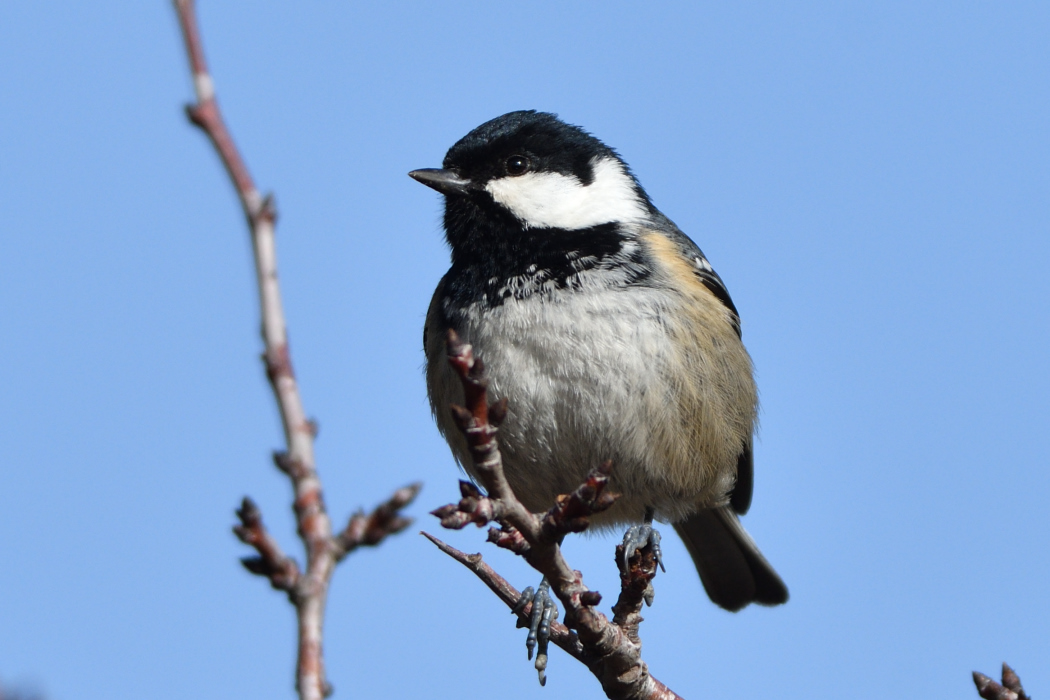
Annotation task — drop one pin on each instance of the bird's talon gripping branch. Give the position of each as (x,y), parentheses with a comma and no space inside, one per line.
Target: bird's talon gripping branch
(654,542)
(637,538)
(544,610)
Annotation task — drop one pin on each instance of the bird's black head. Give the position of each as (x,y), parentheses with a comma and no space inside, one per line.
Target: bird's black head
(528,173)
(526,141)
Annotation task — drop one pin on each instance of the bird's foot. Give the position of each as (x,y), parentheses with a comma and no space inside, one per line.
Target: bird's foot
(544,609)
(639,537)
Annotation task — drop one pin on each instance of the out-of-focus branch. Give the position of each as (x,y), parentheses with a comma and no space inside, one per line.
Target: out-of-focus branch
(19,694)
(1009,689)
(307,589)
(282,571)
(610,649)
(369,530)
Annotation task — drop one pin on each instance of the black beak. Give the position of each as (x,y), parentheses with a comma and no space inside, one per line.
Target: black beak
(444,181)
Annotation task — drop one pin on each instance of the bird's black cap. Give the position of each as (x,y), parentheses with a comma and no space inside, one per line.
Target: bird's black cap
(549,143)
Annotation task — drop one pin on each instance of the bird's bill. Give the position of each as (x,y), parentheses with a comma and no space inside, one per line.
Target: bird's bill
(444,181)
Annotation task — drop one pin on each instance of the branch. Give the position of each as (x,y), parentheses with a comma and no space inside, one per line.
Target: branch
(19,694)
(1010,689)
(308,589)
(611,650)
(369,530)
(282,571)
(561,635)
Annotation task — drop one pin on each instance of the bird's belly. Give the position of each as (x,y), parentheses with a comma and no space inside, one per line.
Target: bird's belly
(592,376)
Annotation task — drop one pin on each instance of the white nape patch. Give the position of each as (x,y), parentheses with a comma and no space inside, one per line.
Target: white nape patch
(553,200)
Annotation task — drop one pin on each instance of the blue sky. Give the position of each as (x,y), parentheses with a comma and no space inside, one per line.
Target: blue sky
(870,180)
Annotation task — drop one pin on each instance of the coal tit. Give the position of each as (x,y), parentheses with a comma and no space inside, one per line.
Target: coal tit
(609,333)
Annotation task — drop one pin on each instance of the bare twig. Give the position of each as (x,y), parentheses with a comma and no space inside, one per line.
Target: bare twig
(282,571)
(369,530)
(561,635)
(1009,689)
(611,650)
(307,589)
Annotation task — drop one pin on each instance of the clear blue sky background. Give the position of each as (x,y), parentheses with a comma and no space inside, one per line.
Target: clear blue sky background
(871,181)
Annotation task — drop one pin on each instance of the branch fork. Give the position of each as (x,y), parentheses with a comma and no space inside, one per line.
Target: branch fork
(307,586)
(610,649)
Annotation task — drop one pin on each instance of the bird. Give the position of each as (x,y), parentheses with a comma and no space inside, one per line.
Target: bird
(610,335)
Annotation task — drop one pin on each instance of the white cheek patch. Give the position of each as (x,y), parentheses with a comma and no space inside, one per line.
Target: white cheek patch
(553,200)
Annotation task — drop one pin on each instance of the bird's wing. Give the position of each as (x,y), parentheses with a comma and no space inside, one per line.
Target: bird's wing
(740,498)
(702,269)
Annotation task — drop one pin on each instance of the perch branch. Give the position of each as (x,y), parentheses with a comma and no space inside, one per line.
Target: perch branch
(610,649)
(561,635)
(308,589)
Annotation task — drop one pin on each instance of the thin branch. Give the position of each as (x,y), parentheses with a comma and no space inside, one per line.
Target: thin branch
(561,635)
(308,589)
(611,650)
(1009,689)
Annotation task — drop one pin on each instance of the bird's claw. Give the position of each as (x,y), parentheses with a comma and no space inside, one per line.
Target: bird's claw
(638,537)
(544,609)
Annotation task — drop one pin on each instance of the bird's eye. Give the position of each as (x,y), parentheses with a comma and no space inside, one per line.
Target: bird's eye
(517,165)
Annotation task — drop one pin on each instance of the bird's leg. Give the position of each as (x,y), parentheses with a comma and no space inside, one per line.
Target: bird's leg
(640,536)
(544,609)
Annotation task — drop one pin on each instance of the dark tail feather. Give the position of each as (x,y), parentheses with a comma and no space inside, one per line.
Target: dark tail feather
(733,571)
